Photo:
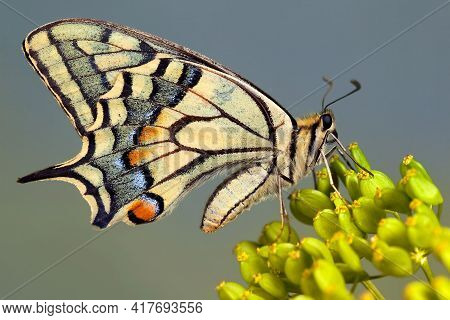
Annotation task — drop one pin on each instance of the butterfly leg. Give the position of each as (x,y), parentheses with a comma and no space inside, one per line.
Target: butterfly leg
(346,160)
(330,152)
(343,151)
(330,177)
(314,178)
(283,212)
(284,217)
(313,170)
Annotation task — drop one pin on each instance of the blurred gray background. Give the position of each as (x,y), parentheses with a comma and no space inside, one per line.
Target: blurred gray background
(282,46)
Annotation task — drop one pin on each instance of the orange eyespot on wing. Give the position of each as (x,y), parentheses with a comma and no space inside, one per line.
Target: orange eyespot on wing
(138,156)
(145,209)
(149,134)
(142,210)
(146,154)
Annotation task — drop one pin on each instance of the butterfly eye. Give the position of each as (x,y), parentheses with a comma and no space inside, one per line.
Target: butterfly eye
(327,121)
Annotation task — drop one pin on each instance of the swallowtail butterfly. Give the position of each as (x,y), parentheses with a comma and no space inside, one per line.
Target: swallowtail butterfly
(157,119)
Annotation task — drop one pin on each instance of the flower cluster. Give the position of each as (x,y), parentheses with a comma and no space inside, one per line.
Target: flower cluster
(395,227)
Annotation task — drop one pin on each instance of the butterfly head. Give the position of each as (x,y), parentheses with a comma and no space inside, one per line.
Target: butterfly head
(327,124)
(317,132)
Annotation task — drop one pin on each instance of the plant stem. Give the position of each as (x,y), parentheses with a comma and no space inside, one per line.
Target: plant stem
(373,290)
(439,211)
(426,269)
(355,284)
(395,214)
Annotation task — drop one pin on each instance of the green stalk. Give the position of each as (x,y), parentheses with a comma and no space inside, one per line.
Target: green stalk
(373,290)
(355,284)
(426,269)
(395,214)
(439,211)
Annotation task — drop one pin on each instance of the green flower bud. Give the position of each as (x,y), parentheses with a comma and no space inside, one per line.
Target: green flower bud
(272,232)
(271,284)
(249,247)
(346,252)
(352,184)
(394,261)
(418,207)
(316,249)
(295,264)
(338,294)
(351,276)
(366,295)
(275,263)
(243,256)
(420,230)
(358,155)
(410,163)
(441,246)
(251,266)
(367,215)
(301,297)
(263,251)
(230,290)
(442,286)
(309,286)
(307,202)
(416,186)
(362,247)
(337,200)
(393,232)
(400,186)
(278,254)
(368,184)
(246,295)
(332,246)
(256,293)
(323,181)
(346,222)
(337,167)
(284,249)
(329,280)
(326,223)
(418,291)
(392,199)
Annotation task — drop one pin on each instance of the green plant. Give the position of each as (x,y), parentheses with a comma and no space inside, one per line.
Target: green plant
(395,227)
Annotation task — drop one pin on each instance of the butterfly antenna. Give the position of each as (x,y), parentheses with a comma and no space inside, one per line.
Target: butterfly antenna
(357,88)
(329,83)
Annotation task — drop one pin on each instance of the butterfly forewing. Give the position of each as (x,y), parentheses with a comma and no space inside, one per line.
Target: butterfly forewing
(156,119)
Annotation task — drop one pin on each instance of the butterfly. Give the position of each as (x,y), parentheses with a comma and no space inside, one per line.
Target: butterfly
(157,119)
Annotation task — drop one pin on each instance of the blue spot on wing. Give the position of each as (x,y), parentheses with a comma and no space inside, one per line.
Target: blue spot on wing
(139,180)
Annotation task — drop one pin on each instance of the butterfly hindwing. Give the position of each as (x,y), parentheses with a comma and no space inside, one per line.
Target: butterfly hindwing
(156,119)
